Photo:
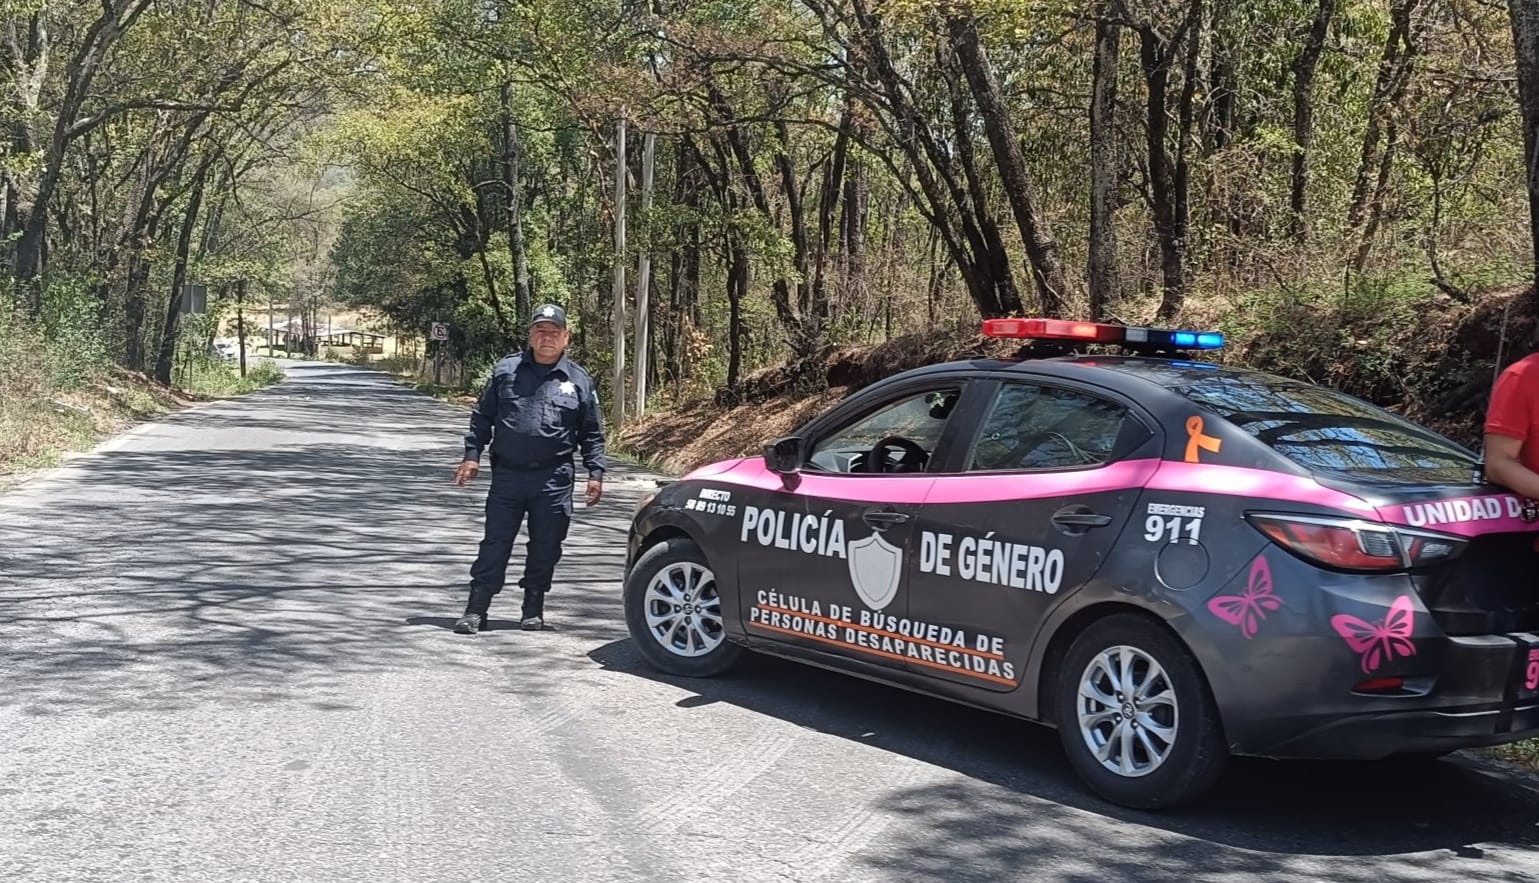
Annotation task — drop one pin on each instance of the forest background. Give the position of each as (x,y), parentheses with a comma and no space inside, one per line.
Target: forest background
(751,207)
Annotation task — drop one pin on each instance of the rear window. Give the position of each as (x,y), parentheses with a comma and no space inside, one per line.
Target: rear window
(1329,431)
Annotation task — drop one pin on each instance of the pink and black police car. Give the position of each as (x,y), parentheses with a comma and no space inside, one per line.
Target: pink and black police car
(1169,561)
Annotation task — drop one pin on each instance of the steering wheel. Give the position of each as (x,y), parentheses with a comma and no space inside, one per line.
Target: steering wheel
(913,455)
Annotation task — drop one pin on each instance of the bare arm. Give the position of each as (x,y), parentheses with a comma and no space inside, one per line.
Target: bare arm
(1504,467)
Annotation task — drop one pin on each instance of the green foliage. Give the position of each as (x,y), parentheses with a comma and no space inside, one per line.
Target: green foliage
(74,333)
(211,376)
(354,156)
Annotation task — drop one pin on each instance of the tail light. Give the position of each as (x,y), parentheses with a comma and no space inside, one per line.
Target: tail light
(1354,544)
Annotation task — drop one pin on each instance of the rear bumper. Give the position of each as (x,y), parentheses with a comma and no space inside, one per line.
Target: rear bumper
(1379,735)
(1482,690)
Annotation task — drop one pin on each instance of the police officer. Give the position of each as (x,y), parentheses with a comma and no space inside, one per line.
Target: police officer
(537,408)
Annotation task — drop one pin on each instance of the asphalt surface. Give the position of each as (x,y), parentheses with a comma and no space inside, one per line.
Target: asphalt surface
(225,655)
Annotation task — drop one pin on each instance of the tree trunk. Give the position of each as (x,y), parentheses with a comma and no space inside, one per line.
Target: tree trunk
(945,204)
(97,40)
(1375,209)
(1101,267)
(136,285)
(169,336)
(737,292)
(1155,55)
(511,182)
(684,274)
(1303,114)
(1394,74)
(1525,36)
(618,316)
(993,255)
(780,290)
(807,334)
(828,204)
(644,273)
(1193,84)
(1041,247)
(492,297)
(857,206)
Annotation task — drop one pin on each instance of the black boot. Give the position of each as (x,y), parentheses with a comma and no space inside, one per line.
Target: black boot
(470,623)
(534,610)
(474,619)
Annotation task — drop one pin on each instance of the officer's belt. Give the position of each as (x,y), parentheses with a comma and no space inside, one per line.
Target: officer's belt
(531,466)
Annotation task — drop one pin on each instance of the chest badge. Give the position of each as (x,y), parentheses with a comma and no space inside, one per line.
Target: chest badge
(567,387)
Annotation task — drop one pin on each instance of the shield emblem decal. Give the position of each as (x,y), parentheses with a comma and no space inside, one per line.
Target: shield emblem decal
(875,566)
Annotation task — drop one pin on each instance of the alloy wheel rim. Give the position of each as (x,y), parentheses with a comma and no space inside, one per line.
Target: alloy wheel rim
(1128,714)
(683,611)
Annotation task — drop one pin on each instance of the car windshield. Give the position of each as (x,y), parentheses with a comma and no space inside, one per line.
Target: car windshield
(1325,430)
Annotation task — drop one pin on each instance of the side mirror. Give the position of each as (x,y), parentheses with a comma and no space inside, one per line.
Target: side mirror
(784,458)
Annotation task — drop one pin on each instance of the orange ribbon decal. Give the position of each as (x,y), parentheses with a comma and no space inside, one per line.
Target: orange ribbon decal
(1195,439)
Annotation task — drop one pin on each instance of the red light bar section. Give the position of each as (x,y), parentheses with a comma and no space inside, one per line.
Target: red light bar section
(1053,329)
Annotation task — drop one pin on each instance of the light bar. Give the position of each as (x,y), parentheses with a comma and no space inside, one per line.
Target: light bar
(1052,329)
(1101,332)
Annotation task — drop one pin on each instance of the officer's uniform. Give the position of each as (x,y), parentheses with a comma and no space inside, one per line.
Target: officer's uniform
(534,416)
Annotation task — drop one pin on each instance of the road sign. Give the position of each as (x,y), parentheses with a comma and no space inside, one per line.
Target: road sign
(440,331)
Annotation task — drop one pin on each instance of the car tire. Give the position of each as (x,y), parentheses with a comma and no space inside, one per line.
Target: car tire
(1171,749)
(674,613)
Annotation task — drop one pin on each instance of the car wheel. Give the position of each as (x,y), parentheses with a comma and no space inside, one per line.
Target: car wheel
(673,611)
(1135,715)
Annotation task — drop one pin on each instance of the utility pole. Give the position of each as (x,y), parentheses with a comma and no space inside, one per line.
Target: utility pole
(618,318)
(240,322)
(644,276)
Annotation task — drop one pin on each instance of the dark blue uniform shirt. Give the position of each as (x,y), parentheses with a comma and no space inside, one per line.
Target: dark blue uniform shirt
(535,416)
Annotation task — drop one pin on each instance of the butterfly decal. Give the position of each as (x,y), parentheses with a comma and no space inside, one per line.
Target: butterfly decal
(1247,610)
(1379,643)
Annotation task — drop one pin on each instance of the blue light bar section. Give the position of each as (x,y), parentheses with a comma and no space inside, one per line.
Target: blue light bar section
(1210,340)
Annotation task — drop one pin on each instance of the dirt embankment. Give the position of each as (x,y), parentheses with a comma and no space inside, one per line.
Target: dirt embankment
(1433,361)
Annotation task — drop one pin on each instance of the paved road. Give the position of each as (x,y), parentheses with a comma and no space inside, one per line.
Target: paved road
(225,655)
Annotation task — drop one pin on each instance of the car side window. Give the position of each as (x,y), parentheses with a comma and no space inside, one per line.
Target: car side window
(1042,427)
(907,430)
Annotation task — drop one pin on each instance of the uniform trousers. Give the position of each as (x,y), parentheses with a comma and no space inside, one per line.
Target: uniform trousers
(544,496)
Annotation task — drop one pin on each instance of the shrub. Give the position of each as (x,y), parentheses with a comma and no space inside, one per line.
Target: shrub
(264,373)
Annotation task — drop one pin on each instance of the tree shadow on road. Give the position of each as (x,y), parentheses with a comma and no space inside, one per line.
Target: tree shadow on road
(243,553)
(1017,805)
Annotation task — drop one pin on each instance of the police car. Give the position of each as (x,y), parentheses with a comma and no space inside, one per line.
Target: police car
(1169,561)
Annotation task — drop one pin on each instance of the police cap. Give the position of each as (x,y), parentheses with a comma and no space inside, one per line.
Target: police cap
(548,313)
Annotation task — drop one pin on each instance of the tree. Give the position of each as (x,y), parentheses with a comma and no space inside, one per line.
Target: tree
(1304,67)
(1041,247)
(1525,38)
(1101,265)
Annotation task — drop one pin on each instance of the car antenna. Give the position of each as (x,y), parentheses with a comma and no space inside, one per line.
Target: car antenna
(1496,373)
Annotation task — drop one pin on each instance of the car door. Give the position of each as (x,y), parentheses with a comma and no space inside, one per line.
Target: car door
(1028,507)
(824,565)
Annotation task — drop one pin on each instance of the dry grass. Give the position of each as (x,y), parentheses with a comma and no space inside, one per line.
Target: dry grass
(39,425)
(1524,754)
(51,406)
(678,440)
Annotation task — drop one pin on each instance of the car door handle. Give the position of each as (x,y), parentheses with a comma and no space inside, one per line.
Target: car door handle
(884,517)
(1081,519)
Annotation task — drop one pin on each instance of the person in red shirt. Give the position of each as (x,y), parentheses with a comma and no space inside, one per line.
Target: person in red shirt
(1512,429)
